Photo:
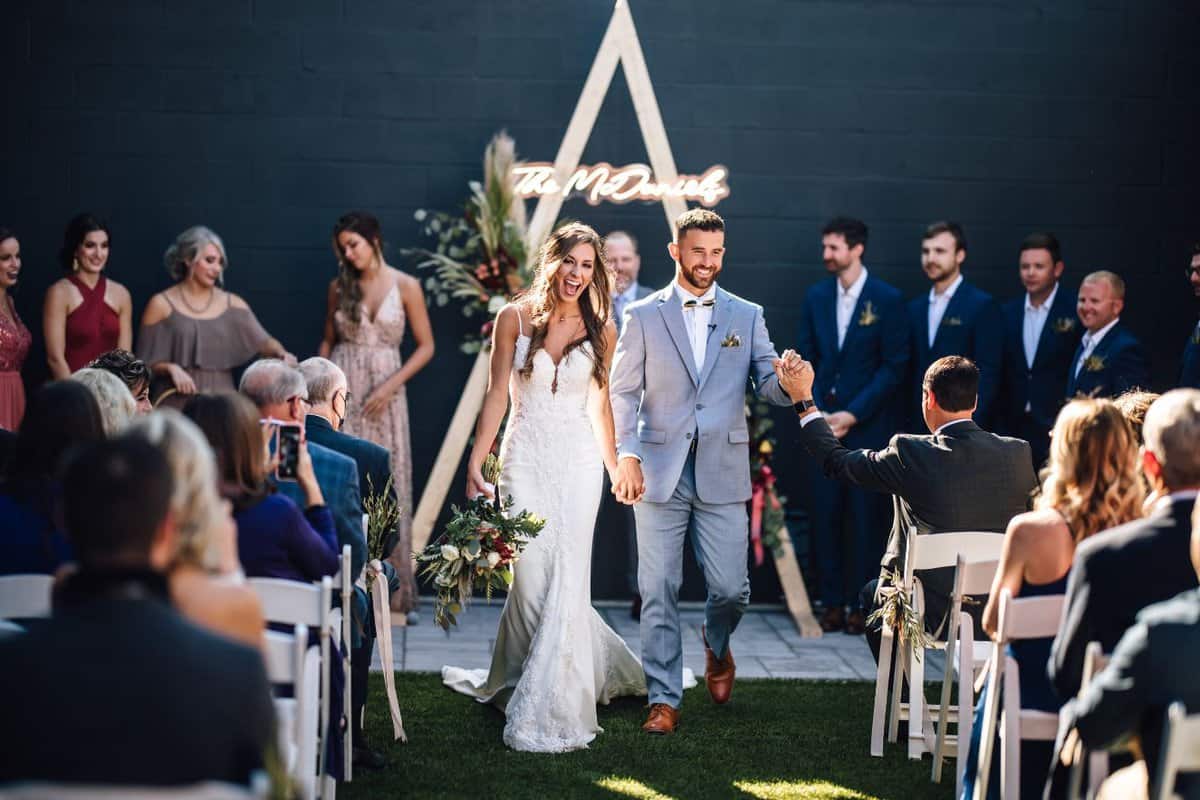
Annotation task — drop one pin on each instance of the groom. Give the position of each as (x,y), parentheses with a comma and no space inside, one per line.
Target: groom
(678,396)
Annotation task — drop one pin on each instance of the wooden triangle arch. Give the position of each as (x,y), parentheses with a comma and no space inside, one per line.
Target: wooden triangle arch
(619,46)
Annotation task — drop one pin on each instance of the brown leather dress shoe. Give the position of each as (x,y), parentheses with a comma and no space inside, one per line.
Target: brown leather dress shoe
(718,673)
(833,620)
(856,622)
(663,719)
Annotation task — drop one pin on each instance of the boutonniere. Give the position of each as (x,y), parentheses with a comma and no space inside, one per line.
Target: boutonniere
(868,317)
(732,340)
(1064,324)
(1093,363)
(952,322)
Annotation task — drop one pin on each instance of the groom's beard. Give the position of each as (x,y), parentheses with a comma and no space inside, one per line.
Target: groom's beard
(699,282)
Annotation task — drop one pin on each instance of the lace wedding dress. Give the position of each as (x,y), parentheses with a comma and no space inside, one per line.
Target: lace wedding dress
(554,658)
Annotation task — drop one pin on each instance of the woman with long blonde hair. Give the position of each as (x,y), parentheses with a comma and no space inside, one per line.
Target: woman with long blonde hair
(1091,483)
(554,657)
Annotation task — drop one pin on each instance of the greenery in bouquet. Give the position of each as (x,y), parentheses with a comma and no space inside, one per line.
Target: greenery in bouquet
(767,516)
(478,258)
(383,518)
(476,552)
(897,612)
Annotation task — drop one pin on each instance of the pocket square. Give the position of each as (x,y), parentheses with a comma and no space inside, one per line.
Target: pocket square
(732,340)
(952,322)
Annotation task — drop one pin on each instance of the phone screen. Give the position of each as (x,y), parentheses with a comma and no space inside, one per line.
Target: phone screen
(289,452)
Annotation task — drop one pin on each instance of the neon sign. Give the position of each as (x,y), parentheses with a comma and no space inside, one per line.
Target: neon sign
(606,183)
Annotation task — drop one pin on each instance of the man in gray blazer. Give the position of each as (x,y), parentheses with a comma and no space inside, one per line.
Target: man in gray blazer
(959,478)
(678,395)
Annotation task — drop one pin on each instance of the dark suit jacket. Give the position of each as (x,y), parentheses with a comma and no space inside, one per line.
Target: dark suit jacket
(971,327)
(962,479)
(1045,385)
(865,374)
(1120,365)
(1115,575)
(1189,369)
(337,475)
(1153,666)
(374,462)
(118,688)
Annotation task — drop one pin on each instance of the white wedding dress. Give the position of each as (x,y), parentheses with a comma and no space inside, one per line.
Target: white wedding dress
(554,658)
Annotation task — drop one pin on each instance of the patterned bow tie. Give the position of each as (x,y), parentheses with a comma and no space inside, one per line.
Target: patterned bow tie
(694,303)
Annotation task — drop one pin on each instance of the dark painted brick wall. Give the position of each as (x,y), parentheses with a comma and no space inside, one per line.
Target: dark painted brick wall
(265,119)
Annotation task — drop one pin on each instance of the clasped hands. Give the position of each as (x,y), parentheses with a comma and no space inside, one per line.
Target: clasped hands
(796,377)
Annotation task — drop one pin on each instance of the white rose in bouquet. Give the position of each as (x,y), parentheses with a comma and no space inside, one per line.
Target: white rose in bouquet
(449,552)
(493,559)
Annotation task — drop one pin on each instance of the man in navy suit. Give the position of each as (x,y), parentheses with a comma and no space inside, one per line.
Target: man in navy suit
(1189,371)
(621,252)
(956,319)
(854,332)
(1109,360)
(1041,333)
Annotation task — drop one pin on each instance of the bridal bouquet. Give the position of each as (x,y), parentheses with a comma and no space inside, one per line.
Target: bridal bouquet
(477,550)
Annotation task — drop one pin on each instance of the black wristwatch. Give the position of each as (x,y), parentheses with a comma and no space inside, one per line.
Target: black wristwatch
(804,406)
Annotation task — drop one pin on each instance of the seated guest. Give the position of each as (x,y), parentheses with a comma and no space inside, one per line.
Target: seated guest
(1121,571)
(204,575)
(124,689)
(959,478)
(1189,368)
(1040,337)
(1091,483)
(274,538)
(1109,360)
(61,415)
(280,393)
(1153,666)
(132,371)
(1133,406)
(117,405)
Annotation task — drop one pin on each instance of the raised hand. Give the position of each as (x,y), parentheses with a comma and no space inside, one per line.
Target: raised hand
(795,376)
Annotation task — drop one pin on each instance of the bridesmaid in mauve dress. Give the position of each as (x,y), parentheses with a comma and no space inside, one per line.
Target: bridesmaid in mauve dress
(194,333)
(15,338)
(370,304)
(85,314)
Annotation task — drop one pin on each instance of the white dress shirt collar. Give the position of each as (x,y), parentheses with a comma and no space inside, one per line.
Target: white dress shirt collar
(629,295)
(1094,339)
(1046,304)
(945,425)
(949,293)
(855,288)
(684,295)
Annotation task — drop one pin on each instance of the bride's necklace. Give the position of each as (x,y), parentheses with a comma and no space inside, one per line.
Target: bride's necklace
(554,381)
(212,294)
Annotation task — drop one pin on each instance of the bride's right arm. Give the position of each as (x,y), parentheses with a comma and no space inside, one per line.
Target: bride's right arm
(495,402)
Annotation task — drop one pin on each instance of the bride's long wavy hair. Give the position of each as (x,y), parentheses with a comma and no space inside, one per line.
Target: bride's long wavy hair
(595,306)
(1092,477)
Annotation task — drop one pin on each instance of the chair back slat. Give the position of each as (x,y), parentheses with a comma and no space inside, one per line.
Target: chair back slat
(1030,617)
(293,602)
(1180,750)
(25,596)
(936,550)
(284,654)
(975,577)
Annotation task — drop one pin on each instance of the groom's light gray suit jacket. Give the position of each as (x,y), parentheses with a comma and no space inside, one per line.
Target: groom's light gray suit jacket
(660,401)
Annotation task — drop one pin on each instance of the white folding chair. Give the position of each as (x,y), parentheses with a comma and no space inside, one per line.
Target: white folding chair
(966,658)
(210,790)
(25,596)
(1094,661)
(1180,751)
(923,552)
(1022,618)
(347,592)
(296,603)
(290,660)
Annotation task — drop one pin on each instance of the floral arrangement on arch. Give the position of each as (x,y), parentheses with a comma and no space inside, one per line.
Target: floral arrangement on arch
(767,517)
(479,258)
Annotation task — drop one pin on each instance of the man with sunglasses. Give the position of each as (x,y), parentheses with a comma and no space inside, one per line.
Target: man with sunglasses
(1189,372)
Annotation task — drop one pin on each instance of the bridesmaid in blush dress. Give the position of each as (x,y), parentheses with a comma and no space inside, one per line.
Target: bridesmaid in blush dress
(85,314)
(369,306)
(15,338)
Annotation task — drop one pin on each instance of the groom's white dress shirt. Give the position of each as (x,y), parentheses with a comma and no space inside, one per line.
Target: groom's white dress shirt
(1090,340)
(847,299)
(696,319)
(938,303)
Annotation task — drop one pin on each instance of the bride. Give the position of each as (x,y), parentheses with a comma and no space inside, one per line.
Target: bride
(554,658)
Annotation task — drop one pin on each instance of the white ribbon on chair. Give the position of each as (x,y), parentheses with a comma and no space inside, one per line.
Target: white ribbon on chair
(383,632)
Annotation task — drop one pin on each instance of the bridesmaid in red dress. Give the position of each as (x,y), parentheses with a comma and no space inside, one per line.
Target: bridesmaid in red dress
(14,336)
(85,314)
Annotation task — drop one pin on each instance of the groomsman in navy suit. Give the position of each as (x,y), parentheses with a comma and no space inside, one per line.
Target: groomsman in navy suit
(1041,334)
(1189,372)
(1109,360)
(853,330)
(955,319)
(621,250)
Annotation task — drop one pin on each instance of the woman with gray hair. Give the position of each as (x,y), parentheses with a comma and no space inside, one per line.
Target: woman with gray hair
(194,333)
(117,405)
(205,572)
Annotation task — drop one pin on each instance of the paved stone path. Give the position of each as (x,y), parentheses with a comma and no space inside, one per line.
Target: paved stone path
(766,644)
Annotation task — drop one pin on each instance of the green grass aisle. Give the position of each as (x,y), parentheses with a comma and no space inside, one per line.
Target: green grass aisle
(777,740)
